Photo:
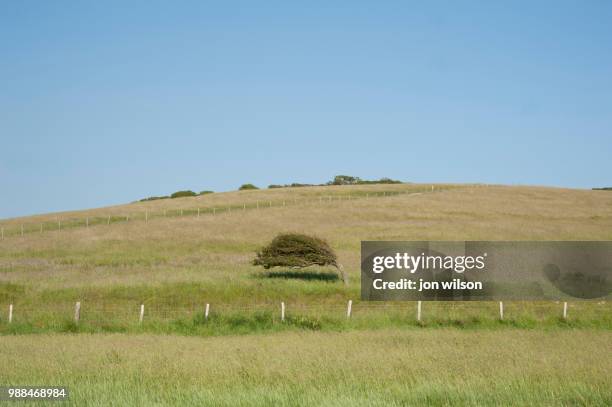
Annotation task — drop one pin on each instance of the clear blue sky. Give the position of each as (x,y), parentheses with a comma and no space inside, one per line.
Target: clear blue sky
(105,103)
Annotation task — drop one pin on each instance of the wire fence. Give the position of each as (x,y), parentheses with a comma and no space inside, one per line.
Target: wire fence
(450,312)
(18,230)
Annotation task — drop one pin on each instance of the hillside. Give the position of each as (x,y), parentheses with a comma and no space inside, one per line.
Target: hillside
(224,199)
(183,259)
(143,283)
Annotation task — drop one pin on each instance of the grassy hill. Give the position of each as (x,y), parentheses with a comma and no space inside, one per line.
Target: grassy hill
(188,260)
(175,262)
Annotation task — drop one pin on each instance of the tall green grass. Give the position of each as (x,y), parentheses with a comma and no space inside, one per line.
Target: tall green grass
(390,367)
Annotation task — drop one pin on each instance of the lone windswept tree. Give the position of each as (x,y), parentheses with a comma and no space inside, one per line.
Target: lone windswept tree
(298,251)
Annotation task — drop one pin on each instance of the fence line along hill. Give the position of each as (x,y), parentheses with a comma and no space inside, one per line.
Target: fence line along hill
(209,204)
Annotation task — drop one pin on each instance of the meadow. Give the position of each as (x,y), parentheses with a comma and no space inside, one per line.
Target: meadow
(395,367)
(460,353)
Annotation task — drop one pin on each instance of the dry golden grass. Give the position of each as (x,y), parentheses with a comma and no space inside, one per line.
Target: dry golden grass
(224,199)
(217,250)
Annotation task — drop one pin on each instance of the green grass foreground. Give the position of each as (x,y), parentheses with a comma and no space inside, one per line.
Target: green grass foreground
(360,368)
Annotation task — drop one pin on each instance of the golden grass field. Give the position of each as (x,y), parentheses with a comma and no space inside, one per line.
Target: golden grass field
(176,264)
(220,248)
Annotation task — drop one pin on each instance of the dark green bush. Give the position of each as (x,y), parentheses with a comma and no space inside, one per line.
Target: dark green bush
(154,198)
(206,192)
(295,250)
(298,251)
(292,185)
(345,180)
(181,194)
(247,187)
(381,181)
(349,180)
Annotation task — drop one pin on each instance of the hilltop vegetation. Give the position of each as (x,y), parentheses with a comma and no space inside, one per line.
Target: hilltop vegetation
(338,180)
(177,194)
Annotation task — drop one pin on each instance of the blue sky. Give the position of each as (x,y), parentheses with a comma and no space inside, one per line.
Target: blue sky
(104,103)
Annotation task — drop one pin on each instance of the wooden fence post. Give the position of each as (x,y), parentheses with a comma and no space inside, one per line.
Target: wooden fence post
(501,311)
(10,316)
(141,317)
(419,311)
(41,228)
(349,308)
(565,310)
(282,311)
(22,229)
(59,225)
(206,311)
(77,312)
(198,212)
(87,222)
(146,216)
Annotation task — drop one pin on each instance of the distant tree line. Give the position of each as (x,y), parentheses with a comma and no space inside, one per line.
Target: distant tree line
(294,185)
(338,180)
(341,180)
(177,194)
(603,189)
